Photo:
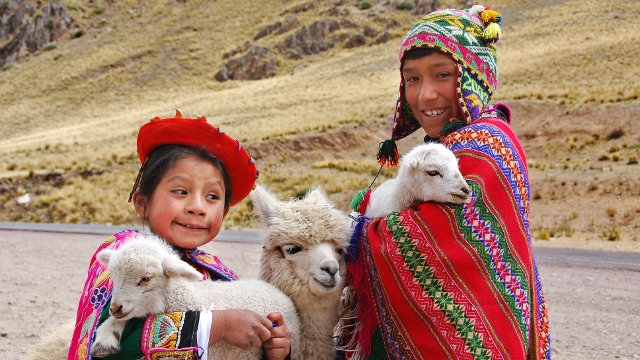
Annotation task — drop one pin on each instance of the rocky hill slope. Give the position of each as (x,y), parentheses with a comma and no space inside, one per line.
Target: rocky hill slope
(325,82)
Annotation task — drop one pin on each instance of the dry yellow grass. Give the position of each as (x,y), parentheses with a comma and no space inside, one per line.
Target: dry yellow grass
(78,107)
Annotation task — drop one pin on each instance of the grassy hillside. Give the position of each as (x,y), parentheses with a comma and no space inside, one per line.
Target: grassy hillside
(70,115)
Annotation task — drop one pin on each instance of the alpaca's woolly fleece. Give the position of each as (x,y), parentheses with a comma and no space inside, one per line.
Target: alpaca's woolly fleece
(429,172)
(172,285)
(305,243)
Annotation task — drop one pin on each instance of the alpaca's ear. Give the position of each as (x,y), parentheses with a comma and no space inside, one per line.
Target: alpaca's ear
(316,195)
(265,203)
(104,256)
(173,266)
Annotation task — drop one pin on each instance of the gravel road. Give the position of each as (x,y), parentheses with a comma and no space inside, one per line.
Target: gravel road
(594,312)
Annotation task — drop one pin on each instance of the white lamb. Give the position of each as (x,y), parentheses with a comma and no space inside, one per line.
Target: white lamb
(305,244)
(429,172)
(150,278)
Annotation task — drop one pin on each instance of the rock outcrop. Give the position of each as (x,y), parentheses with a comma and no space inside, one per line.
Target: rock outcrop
(28,28)
(252,62)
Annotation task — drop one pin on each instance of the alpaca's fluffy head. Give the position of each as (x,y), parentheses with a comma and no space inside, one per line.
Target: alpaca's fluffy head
(140,270)
(305,244)
(430,172)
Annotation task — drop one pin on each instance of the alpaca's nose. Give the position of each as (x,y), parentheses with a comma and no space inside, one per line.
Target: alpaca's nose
(331,270)
(465,190)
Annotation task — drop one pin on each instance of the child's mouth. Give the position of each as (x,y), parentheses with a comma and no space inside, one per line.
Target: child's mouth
(193,227)
(432,113)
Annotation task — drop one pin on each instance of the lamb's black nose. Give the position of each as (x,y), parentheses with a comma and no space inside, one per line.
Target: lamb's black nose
(465,190)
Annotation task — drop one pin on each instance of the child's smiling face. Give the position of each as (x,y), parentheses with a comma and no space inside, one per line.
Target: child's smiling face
(431,90)
(187,207)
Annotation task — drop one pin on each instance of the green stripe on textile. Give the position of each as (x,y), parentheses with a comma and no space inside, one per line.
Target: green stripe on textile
(467,233)
(378,351)
(433,287)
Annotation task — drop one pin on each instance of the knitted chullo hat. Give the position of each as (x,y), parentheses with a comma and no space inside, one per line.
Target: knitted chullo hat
(198,133)
(469,36)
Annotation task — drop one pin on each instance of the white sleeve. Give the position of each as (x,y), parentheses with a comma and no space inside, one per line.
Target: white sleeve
(204,330)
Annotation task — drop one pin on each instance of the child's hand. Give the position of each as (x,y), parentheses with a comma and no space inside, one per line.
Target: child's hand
(240,328)
(278,346)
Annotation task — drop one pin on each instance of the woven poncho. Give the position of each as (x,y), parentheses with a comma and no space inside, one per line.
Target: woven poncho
(446,281)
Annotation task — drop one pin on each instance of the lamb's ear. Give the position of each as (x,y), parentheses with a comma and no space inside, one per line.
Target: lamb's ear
(173,266)
(315,196)
(265,203)
(411,162)
(104,256)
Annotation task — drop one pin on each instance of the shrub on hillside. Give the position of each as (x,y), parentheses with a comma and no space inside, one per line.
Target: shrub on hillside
(78,33)
(364,5)
(99,9)
(50,46)
(405,5)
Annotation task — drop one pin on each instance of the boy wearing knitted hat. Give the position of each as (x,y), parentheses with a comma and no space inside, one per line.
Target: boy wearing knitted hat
(443,281)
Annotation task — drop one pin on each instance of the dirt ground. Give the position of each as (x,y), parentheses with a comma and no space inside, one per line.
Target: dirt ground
(594,313)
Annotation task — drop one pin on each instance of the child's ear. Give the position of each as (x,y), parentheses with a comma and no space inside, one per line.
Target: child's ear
(140,204)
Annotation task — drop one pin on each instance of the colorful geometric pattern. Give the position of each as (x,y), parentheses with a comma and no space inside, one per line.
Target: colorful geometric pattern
(98,287)
(162,337)
(459,34)
(446,281)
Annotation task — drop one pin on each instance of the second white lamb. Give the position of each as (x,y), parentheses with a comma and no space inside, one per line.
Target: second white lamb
(429,172)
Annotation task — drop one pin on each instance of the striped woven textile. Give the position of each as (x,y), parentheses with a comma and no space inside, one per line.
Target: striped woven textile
(446,281)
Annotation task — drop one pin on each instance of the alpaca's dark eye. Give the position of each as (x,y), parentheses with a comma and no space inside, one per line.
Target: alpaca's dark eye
(432,172)
(144,280)
(291,249)
(342,251)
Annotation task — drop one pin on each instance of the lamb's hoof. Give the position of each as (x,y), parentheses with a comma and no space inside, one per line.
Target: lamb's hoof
(100,351)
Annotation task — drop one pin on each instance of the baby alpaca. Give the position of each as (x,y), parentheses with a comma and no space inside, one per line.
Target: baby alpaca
(429,172)
(305,244)
(149,278)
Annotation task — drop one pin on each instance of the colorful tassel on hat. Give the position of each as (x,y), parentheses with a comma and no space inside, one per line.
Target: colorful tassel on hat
(492,33)
(388,153)
(491,20)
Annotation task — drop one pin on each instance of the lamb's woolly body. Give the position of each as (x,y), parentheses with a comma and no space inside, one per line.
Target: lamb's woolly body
(322,233)
(174,286)
(414,184)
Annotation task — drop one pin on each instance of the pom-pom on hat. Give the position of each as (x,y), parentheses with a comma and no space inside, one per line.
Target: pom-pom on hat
(469,36)
(198,133)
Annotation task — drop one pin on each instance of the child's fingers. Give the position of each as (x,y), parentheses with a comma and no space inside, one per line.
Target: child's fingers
(276,318)
(264,332)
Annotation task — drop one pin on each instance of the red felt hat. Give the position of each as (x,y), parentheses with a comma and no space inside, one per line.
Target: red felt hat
(197,133)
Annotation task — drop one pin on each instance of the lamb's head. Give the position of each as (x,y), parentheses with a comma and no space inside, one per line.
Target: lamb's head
(140,270)
(432,171)
(305,244)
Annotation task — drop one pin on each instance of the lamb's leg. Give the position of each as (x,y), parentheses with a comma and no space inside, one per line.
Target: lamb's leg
(108,337)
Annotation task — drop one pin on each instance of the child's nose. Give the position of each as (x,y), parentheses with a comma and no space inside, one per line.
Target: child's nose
(195,206)
(427,92)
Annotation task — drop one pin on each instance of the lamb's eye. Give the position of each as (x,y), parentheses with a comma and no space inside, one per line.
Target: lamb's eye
(291,249)
(342,251)
(432,172)
(144,281)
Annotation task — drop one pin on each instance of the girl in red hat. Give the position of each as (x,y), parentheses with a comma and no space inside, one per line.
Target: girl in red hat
(191,174)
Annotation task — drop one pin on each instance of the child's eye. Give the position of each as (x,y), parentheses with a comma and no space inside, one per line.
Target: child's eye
(213,197)
(443,75)
(179,192)
(411,79)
